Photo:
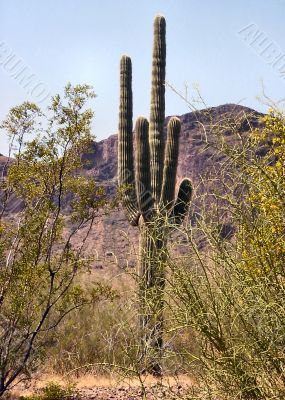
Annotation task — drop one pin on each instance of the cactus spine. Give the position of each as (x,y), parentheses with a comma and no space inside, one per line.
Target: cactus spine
(149,195)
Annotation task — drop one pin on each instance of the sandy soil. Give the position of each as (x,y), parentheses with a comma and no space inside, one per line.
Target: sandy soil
(92,387)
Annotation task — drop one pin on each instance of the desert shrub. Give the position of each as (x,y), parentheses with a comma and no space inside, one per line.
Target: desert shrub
(52,391)
(98,340)
(230,294)
(105,339)
(39,258)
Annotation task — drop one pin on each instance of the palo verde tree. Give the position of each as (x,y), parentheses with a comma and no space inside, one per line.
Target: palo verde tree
(149,190)
(229,295)
(41,242)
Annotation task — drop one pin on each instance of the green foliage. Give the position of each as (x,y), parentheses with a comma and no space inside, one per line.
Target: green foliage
(39,258)
(266,200)
(53,391)
(230,295)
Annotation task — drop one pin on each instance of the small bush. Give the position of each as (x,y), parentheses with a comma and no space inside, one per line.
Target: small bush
(53,391)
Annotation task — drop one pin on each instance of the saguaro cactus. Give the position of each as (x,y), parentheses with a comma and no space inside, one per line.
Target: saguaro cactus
(149,190)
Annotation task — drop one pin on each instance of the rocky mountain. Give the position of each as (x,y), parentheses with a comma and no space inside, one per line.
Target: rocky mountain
(112,237)
(112,240)
(102,160)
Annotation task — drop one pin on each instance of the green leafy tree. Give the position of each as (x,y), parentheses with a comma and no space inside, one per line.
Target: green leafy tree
(40,258)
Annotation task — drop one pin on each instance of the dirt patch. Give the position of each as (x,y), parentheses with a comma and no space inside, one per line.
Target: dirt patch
(133,393)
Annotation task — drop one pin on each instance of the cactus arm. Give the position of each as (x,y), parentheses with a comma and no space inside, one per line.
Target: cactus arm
(170,163)
(144,196)
(157,108)
(182,202)
(125,141)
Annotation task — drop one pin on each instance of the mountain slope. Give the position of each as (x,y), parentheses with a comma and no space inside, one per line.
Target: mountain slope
(112,240)
(112,233)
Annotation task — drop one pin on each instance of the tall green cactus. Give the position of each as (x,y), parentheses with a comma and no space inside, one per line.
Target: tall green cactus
(149,195)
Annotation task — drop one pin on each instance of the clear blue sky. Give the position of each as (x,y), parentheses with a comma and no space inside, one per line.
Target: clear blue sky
(81,41)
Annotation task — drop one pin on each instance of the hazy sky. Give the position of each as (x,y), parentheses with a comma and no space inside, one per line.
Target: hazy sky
(226,47)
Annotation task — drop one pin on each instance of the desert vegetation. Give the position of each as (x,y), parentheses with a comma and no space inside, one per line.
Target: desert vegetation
(204,303)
